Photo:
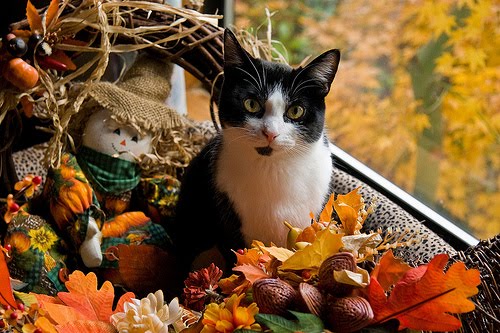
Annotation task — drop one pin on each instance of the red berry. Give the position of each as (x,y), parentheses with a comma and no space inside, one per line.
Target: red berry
(306,274)
(14,315)
(2,323)
(37,180)
(14,207)
(38,330)
(20,306)
(240,251)
(8,247)
(8,307)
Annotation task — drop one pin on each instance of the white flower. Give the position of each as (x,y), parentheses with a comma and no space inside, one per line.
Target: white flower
(148,315)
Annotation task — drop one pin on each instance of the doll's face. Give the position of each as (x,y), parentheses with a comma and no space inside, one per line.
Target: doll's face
(106,136)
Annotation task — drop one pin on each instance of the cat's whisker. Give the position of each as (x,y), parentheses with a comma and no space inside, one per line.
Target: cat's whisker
(301,84)
(257,72)
(251,83)
(252,77)
(305,87)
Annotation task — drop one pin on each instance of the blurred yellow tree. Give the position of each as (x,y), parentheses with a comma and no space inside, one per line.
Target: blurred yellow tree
(417,95)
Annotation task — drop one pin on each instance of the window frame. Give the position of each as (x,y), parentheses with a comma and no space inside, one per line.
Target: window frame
(449,231)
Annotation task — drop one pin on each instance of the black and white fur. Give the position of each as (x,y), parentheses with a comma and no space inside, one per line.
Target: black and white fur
(264,167)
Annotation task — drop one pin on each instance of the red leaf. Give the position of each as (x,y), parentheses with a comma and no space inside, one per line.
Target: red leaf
(6,296)
(389,270)
(60,56)
(425,296)
(34,19)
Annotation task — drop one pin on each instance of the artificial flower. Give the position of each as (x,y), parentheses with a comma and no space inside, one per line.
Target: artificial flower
(42,324)
(42,239)
(198,283)
(230,316)
(149,315)
(12,209)
(29,184)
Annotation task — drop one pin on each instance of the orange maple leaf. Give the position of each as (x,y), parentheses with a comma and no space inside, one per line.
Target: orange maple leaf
(34,19)
(6,296)
(425,296)
(83,301)
(252,273)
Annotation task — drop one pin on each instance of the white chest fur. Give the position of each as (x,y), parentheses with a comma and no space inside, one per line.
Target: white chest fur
(267,190)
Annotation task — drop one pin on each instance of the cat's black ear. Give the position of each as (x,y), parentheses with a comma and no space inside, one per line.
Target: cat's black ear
(323,68)
(234,54)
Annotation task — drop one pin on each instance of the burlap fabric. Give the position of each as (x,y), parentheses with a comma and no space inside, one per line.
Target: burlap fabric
(138,100)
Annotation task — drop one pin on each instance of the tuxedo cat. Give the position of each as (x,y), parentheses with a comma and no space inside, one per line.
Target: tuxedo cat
(270,163)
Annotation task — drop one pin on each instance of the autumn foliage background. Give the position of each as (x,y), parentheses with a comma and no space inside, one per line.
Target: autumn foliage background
(417,94)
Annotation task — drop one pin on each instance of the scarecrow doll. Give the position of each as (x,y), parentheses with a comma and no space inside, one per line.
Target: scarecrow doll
(90,194)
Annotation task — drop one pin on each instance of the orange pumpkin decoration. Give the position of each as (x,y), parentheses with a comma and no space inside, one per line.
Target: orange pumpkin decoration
(73,199)
(19,241)
(122,223)
(20,73)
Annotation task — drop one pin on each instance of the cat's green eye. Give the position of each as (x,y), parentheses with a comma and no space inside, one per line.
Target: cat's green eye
(295,112)
(251,105)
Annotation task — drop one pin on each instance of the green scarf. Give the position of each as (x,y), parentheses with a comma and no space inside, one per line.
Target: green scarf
(109,174)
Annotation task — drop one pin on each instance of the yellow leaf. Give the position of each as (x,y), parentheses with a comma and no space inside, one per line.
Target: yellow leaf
(311,257)
(34,19)
(359,279)
(45,324)
(279,253)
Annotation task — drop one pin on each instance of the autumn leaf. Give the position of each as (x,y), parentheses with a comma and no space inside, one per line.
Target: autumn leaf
(235,284)
(252,273)
(251,257)
(425,297)
(60,56)
(34,19)
(311,257)
(86,326)
(84,301)
(279,253)
(348,208)
(6,296)
(51,12)
(326,214)
(389,270)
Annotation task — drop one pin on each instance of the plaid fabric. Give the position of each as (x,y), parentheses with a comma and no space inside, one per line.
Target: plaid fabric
(107,173)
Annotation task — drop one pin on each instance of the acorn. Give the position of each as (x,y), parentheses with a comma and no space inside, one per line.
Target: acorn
(348,314)
(337,262)
(273,296)
(310,299)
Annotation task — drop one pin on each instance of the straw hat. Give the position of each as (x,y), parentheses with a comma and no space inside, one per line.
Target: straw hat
(138,100)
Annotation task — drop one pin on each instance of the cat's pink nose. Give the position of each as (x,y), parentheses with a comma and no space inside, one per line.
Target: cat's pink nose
(270,135)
